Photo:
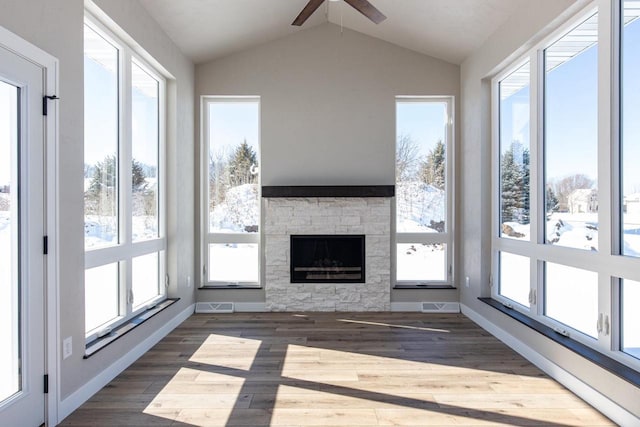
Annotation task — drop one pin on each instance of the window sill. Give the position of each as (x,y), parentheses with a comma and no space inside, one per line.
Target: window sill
(421,286)
(99,343)
(227,287)
(623,371)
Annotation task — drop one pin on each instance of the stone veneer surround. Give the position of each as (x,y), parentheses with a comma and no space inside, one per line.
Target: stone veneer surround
(370,216)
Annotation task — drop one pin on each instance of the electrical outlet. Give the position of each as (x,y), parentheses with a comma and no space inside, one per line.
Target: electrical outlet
(188,281)
(67,347)
(467,281)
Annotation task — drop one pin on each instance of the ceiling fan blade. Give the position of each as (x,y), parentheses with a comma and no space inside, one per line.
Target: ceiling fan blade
(307,12)
(367,9)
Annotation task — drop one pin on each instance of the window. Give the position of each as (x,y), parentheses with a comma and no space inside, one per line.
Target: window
(630,294)
(424,186)
(514,278)
(514,154)
(630,128)
(571,137)
(231,200)
(123,170)
(567,254)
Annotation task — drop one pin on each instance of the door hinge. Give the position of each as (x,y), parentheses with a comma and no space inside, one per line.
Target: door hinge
(45,245)
(46,384)
(45,100)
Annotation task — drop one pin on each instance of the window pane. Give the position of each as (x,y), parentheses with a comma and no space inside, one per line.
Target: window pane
(630,87)
(145,143)
(514,277)
(231,262)
(9,244)
(514,155)
(630,318)
(421,140)
(417,262)
(101,296)
(233,167)
(145,279)
(100,141)
(571,297)
(571,138)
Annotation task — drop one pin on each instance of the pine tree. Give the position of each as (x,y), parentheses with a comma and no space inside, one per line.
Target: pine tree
(525,217)
(105,175)
(241,163)
(510,185)
(432,170)
(551,202)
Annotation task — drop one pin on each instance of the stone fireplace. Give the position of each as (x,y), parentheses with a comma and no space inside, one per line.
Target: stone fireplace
(327,211)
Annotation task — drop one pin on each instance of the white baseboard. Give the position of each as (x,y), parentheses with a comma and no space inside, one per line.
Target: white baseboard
(602,403)
(250,307)
(406,306)
(77,398)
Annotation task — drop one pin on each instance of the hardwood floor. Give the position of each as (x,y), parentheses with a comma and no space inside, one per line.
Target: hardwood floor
(332,369)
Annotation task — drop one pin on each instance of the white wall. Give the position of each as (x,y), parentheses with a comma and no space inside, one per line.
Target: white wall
(327,112)
(327,102)
(509,42)
(56,26)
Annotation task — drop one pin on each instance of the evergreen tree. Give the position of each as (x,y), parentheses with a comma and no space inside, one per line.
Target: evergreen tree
(526,194)
(432,170)
(105,175)
(511,185)
(240,165)
(551,202)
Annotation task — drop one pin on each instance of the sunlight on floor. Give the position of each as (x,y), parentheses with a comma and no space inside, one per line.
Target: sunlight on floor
(418,328)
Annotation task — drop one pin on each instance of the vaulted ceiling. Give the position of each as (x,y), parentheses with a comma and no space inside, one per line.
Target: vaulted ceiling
(447,29)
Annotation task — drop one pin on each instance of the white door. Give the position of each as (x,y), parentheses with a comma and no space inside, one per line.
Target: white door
(22,219)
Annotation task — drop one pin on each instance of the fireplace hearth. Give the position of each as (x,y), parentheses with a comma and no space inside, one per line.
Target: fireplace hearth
(327,259)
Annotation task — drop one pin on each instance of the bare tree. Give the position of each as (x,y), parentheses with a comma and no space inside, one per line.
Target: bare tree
(406,158)
(565,186)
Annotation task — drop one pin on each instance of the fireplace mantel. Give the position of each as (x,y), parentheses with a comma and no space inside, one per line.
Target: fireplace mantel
(328,191)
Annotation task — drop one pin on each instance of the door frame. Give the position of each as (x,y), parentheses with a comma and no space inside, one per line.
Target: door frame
(51,344)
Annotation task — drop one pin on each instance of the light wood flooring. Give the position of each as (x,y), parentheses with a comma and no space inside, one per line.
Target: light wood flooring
(332,369)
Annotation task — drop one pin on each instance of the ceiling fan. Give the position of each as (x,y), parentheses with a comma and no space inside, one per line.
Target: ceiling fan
(362,6)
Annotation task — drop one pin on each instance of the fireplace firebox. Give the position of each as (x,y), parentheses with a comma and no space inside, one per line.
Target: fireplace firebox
(327,259)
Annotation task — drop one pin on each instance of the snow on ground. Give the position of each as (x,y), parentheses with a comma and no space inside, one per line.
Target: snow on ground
(239,213)
(420,262)
(8,327)
(231,262)
(420,207)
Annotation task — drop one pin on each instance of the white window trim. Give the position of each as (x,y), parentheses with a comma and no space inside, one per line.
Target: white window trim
(610,266)
(448,236)
(206,237)
(126,250)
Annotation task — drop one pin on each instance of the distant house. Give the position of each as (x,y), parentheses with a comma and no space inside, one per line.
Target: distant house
(632,204)
(584,200)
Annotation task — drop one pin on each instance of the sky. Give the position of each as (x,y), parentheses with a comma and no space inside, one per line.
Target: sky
(571,115)
(231,123)
(101,105)
(424,122)
(7,103)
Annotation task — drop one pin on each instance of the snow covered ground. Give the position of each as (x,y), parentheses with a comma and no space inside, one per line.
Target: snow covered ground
(231,262)
(240,212)
(420,208)
(8,327)
(419,262)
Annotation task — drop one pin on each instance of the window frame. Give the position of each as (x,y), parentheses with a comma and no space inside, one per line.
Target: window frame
(126,250)
(206,237)
(608,263)
(446,237)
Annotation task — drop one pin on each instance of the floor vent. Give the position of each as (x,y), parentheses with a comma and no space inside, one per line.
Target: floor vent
(440,307)
(214,307)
